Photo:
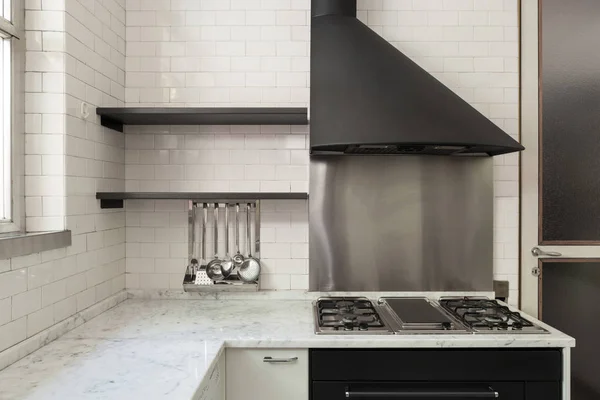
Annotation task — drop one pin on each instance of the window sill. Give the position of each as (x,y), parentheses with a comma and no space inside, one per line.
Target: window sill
(21,244)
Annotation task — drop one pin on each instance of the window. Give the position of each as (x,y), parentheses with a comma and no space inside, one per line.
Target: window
(7,32)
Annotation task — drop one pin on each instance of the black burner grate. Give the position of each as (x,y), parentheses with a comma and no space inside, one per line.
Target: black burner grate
(348,315)
(485,314)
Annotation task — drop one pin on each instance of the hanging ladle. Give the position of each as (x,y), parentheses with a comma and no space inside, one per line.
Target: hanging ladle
(214,268)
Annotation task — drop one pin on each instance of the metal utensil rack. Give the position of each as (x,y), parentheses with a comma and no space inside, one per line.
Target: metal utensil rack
(232,283)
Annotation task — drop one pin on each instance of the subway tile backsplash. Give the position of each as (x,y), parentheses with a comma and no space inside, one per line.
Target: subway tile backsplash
(215,159)
(231,53)
(157,246)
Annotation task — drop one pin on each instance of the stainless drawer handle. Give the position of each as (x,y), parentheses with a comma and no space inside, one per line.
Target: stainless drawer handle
(280,360)
(418,395)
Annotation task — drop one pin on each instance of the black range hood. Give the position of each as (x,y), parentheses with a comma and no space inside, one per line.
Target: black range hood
(369,98)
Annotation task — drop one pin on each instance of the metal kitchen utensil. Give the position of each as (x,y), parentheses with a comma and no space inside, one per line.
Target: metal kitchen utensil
(250,269)
(227,264)
(213,269)
(192,268)
(201,276)
(238,258)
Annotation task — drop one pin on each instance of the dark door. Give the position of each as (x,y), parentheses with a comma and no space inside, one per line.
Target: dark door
(571,302)
(569,183)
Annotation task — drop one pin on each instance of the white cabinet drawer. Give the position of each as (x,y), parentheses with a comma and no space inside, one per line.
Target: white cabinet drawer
(264,374)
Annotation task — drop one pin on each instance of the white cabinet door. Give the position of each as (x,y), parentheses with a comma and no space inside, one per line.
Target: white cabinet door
(264,374)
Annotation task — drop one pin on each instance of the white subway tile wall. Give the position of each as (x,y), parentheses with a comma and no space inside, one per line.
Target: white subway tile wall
(256,53)
(217,53)
(94,155)
(44,117)
(217,158)
(75,54)
(157,246)
(208,53)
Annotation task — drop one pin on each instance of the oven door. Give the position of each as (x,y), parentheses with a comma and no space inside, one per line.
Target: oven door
(417,391)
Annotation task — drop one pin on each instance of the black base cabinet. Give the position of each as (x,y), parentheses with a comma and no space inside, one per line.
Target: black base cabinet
(427,374)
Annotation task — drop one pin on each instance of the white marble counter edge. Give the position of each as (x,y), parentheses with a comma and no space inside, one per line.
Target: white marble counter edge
(204,382)
(394,342)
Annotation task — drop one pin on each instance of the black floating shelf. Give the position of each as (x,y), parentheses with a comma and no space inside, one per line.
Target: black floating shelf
(115,199)
(116,117)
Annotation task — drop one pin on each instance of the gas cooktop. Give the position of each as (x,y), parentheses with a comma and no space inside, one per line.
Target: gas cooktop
(417,315)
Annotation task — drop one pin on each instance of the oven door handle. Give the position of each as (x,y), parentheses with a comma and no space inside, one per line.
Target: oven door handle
(406,394)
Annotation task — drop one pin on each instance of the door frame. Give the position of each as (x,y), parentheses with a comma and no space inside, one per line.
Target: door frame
(530,185)
(529,159)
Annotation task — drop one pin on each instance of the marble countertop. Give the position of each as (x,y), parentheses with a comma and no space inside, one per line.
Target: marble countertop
(111,369)
(163,349)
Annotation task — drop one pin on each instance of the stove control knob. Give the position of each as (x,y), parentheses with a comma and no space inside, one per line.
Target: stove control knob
(363,327)
(349,326)
(446,326)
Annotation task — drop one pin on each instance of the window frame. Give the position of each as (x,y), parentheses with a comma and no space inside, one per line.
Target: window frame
(10,194)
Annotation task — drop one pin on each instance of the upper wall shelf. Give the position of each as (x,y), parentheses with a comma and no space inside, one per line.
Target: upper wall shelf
(115,199)
(116,117)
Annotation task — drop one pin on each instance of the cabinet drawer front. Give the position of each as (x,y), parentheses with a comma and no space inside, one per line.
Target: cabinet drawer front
(417,390)
(265,374)
(436,364)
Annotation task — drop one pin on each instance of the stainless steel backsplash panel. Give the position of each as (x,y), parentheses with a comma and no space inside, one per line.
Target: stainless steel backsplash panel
(401,223)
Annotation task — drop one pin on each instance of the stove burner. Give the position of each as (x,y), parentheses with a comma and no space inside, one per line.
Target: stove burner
(475,310)
(348,314)
(517,325)
(494,318)
(485,314)
(345,307)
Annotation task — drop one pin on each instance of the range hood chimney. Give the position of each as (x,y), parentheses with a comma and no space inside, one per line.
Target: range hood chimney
(369,98)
